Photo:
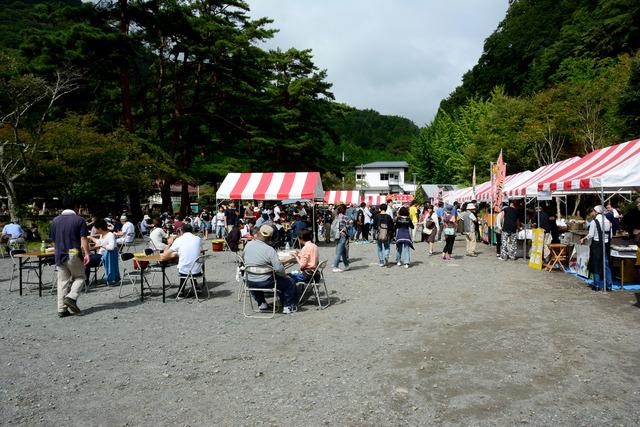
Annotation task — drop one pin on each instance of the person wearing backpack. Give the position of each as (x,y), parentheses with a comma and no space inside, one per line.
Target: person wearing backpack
(383,223)
(404,244)
(430,227)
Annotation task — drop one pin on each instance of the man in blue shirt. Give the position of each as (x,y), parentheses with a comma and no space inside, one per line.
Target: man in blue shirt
(69,236)
(12,233)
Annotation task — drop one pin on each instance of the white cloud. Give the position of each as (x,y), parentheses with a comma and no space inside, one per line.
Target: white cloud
(397,57)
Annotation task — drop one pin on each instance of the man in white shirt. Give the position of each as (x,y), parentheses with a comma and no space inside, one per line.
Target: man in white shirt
(157,236)
(128,232)
(186,248)
(599,230)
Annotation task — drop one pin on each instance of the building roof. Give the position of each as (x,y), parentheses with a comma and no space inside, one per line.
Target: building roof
(391,164)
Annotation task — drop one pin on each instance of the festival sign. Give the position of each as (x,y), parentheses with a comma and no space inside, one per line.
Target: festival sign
(537,248)
(499,175)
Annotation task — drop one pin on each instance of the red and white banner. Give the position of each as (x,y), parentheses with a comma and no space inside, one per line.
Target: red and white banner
(271,186)
(611,168)
(338,197)
(499,174)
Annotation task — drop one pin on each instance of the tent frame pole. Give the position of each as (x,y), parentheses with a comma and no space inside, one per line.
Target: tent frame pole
(604,244)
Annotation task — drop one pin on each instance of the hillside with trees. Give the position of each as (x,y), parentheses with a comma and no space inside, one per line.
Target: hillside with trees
(111,101)
(556,79)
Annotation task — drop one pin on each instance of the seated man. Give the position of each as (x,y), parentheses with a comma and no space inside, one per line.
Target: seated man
(258,253)
(186,248)
(144,225)
(158,236)
(12,233)
(308,258)
(128,232)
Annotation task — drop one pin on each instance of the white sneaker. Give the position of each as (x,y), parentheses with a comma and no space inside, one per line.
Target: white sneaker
(406,266)
(345,269)
(399,264)
(337,270)
(263,306)
(289,309)
(381,264)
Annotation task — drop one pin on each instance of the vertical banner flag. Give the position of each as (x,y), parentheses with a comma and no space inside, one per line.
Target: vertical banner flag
(537,249)
(473,182)
(500,175)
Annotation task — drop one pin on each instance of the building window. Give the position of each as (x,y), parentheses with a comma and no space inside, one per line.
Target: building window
(395,176)
(359,176)
(384,177)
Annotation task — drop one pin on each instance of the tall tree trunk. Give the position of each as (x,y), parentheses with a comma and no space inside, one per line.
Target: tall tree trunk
(185,203)
(165,192)
(576,206)
(124,73)
(12,199)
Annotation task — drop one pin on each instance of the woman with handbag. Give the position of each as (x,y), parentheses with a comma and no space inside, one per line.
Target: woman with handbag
(430,227)
(449,230)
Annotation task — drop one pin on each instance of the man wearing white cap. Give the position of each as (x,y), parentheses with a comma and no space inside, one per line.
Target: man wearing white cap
(127,233)
(469,221)
(144,225)
(599,232)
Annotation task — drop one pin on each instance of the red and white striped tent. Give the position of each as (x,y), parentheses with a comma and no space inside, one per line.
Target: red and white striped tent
(610,169)
(375,200)
(484,192)
(337,197)
(451,196)
(271,186)
(527,185)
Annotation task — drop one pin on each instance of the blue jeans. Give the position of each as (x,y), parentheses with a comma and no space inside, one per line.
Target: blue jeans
(597,280)
(383,244)
(299,276)
(404,251)
(341,252)
(285,286)
(220,231)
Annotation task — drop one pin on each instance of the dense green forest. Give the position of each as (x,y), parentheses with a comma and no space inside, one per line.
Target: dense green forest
(107,102)
(557,78)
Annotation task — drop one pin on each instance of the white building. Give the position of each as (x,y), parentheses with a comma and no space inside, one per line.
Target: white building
(384,178)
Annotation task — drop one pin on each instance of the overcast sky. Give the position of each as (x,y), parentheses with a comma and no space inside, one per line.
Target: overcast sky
(399,57)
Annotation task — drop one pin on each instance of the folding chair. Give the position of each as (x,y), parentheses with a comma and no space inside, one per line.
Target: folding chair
(128,246)
(95,276)
(191,278)
(240,276)
(153,269)
(317,281)
(124,257)
(27,265)
(248,289)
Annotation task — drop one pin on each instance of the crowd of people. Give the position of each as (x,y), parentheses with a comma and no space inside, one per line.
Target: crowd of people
(264,227)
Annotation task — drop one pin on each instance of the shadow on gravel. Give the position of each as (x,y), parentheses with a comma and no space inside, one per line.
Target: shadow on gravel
(637,304)
(357,267)
(221,293)
(112,306)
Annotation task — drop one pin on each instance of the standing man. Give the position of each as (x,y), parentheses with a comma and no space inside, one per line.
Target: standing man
(510,225)
(413,215)
(440,213)
(230,217)
(69,237)
(469,221)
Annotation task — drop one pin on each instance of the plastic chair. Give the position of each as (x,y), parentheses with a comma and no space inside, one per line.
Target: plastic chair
(248,289)
(317,282)
(191,278)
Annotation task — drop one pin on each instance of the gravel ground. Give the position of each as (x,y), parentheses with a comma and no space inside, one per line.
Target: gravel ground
(472,342)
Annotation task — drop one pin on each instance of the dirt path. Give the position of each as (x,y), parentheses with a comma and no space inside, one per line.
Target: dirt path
(472,342)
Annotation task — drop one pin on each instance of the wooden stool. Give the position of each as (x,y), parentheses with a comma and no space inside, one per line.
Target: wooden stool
(558,256)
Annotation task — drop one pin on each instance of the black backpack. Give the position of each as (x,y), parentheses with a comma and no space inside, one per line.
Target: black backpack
(383,229)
